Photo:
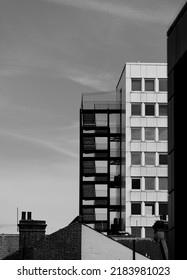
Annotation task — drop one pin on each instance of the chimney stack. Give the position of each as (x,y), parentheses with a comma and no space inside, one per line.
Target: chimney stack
(30,230)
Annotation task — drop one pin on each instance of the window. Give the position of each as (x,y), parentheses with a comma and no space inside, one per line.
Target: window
(149,183)
(136,110)
(163,183)
(163,110)
(149,84)
(136,183)
(149,232)
(136,85)
(149,208)
(163,86)
(163,208)
(149,158)
(149,133)
(136,134)
(136,158)
(136,208)
(163,159)
(136,231)
(163,133)
(149,109)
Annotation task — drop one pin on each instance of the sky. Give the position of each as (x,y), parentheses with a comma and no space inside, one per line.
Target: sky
(52,51)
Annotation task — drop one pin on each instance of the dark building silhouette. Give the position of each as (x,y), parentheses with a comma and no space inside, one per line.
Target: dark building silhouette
(78,241)
(177,61)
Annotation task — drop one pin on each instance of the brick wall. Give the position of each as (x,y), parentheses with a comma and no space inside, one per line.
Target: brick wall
(64,244)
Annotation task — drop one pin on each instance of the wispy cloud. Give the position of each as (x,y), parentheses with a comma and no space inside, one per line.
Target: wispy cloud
(119,9)
(98,81)
(52,145)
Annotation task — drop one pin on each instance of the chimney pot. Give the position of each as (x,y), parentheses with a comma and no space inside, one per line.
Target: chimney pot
(23,215)
(29,216)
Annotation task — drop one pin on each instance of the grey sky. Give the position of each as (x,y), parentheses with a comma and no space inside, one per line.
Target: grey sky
(50,52)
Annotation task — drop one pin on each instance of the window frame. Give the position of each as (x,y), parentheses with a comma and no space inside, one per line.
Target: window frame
(154,129)
(159,130)
(153,209)
(140,130)
(146,164)
(136,79)
(150,79)
(149,177)
(149,104)
(159,178)
(135,178)
(139,204)
(139,153)
(136,104)
(162,104)
(162,79)
(162,154)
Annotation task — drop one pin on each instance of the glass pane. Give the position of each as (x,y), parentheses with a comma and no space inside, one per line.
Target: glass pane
(149,109)
(136,133)
(136,231)
(163,134)
(136,84)
(136,208)
(163,209)
(136,158)
(135,183)
(136,109)
(149,133)
(150,183)
(149,158)
(149,208)
(163,184)
(163,159)
(149,232)
(163,110)
(163,85)
(149,85)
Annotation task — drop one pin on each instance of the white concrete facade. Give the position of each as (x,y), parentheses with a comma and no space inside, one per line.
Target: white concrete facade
(144,148)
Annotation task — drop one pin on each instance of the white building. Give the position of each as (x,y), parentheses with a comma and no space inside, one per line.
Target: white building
(143,90)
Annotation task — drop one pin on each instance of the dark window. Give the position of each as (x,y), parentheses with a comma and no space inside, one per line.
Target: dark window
(163,133)
(163,110)
(149,232)
(136,231)
(163,86)
(163,159)
(135,133)
(135,158)
(149,133)
(136,208)
(163,208)
(149,109)
(149,208)
(136,183)
(149,84)
(136,85)
(136,110)
(163,183)
(149,183)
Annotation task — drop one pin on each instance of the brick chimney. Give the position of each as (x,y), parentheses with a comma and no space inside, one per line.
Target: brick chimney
(30,230)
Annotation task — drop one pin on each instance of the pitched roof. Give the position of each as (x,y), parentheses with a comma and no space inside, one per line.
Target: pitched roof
(145,246)
(9,243)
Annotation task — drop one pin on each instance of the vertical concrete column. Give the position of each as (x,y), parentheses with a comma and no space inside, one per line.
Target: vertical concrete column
(143,208)
(156,209)
(143,232)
